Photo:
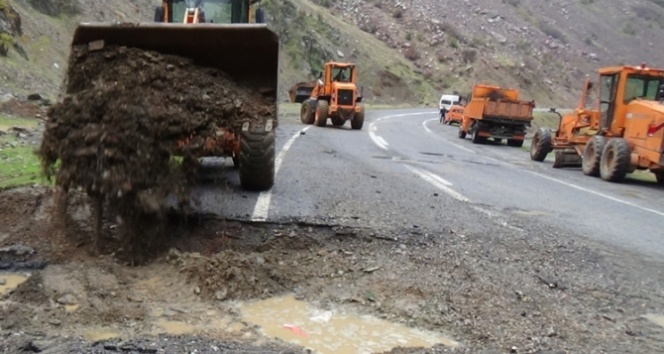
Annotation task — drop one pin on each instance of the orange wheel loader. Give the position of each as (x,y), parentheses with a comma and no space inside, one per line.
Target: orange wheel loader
(335,96)
(624,132)
(225,34)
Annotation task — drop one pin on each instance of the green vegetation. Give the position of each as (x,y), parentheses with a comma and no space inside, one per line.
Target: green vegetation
(545,120)
(19,165)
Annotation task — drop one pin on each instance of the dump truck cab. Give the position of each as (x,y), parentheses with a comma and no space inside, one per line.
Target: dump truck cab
(209,11)
(335,96)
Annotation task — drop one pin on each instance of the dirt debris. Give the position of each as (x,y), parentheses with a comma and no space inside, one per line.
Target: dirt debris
(115,133)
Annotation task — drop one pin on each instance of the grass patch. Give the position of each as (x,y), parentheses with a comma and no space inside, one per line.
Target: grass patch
(19,165)
(7,122)
(545,120)
(645,176)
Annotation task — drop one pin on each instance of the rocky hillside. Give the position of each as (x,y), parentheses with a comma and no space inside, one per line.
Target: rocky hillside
(543,47)
(408,51)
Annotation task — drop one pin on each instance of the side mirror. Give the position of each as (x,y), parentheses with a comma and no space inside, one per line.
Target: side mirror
(260,16)
(552,110)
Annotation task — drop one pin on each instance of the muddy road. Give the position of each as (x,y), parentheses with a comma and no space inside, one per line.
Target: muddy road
(399,238)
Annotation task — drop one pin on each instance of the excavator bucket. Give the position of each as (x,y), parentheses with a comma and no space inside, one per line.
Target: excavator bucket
(249,53)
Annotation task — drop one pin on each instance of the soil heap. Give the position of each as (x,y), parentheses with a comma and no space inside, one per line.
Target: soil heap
(117,130)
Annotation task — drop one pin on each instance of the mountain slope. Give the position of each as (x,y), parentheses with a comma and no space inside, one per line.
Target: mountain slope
(407,51)
(543,47)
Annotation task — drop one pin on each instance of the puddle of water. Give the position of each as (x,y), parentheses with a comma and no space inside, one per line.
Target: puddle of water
(11,281)
(328,332)
(94,335)
(174,327)
(655,319)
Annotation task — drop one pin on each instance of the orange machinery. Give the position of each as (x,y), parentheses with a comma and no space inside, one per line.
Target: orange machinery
(454,115)
(624,132)
(335,96)
(497,113)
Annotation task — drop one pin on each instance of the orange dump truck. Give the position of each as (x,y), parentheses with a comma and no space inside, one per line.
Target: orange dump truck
(496,113)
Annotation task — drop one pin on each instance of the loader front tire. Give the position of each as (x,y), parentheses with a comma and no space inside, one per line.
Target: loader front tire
(659,177)
(462,134)
(592,155)
(541,145)
(256,160)
(307,116)
(358,120)
(321,113)
(615,160)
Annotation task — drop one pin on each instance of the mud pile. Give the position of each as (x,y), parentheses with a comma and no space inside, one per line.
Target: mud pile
(117,130)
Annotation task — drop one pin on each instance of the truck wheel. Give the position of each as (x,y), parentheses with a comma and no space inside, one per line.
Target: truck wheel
(615,160)
(256,159)
(321,113)
(476,138)
(515,143)
(592,155)
(541,145)
(659,177)
(307,116)
(462,134)
(358,120)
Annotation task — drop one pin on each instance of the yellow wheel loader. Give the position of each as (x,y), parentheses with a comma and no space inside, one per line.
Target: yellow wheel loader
(229,35)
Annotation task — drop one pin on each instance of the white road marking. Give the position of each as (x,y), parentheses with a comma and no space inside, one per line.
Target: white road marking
(438,182)
(599,194)
(262,206)
(424,124)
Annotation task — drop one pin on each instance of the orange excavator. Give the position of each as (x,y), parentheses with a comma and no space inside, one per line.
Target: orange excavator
(225,34)
(623,132)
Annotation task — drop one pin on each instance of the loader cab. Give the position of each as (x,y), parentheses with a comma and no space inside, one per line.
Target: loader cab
(339,84)
(621,85)
(209,11)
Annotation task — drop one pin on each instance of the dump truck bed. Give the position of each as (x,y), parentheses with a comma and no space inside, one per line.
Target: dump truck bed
(501,110)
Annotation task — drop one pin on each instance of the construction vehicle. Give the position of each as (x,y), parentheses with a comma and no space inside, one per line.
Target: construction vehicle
(225,34)
(622,133)
(335,96)
(301,91)
(497,113)
(453,115)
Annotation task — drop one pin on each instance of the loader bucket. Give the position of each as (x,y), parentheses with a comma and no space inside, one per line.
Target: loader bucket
(301,91)
(249,53)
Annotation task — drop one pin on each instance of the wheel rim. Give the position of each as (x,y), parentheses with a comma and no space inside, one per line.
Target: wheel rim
(534,144)
(609,159)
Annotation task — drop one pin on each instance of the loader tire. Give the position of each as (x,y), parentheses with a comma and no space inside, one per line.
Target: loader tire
(358,120)
(159,14)
(307,116)
(592,155)
(541,145)
(659,177)
(515,143)
(321,113)
(256,160)
(615,160)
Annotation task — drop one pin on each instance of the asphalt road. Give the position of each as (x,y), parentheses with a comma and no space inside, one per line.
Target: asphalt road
(406,170)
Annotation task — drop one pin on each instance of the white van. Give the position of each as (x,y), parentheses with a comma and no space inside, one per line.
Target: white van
(447,101)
